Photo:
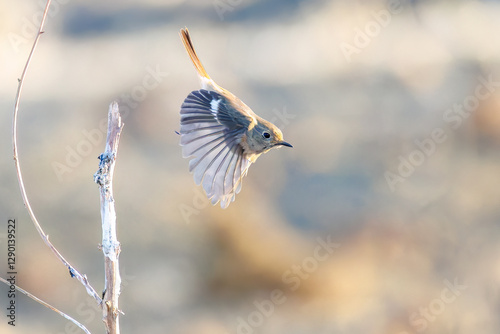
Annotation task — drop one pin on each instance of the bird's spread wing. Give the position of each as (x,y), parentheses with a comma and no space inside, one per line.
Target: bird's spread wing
(211,132)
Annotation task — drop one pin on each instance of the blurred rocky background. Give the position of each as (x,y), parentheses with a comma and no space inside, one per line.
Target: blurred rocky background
(383,218)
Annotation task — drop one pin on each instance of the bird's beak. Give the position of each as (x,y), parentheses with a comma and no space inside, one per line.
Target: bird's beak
(283,143)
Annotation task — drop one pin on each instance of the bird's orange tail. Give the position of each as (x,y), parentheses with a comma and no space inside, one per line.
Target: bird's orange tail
(186,40)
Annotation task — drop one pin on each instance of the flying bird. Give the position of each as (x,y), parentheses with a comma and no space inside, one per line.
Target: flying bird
(221,134)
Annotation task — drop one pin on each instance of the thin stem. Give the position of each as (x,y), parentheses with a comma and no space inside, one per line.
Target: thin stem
(73,272)
(38,300)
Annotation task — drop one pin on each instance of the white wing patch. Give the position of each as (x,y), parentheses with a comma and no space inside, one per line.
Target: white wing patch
(214,107)
(218,161)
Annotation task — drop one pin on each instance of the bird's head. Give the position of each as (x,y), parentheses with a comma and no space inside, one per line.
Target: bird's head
(265,136)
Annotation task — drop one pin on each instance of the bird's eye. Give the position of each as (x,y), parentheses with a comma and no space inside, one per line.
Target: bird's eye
(266,135)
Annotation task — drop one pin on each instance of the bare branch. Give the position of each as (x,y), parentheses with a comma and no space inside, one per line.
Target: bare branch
(110,245)
(73,272)
(38,300)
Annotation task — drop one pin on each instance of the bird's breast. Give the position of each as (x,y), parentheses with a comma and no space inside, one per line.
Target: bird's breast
(244,143)
(249,152)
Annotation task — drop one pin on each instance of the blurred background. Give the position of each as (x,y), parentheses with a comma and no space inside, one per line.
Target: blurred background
(383,218)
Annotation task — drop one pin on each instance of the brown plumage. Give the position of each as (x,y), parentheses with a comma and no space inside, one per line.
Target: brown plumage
(221,134)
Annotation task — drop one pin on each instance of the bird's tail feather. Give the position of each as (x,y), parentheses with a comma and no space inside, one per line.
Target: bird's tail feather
(188,44)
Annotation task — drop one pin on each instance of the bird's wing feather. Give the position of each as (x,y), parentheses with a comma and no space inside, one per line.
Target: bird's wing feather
(211,132)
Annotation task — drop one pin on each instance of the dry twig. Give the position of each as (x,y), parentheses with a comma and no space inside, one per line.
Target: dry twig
(38,300)
(110,245)
(73,272)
